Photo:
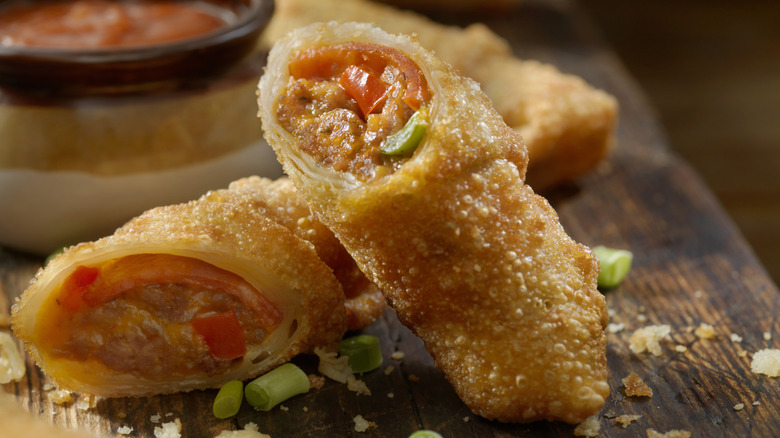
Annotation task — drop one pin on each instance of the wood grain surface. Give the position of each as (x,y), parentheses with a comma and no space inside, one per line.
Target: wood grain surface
(691,266)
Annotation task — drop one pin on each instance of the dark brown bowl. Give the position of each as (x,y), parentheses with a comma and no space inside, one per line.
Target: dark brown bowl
(119,70)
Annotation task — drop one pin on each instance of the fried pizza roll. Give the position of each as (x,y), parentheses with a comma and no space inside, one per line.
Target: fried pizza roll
(279,200)
(410,166)
(182,297)
(567,125)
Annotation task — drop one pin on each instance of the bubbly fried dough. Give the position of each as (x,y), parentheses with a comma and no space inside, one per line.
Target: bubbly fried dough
(567,125)
(279,200)
(133,333)
(471,259)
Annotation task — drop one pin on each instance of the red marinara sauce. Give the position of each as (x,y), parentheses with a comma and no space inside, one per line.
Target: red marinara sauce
(95,24)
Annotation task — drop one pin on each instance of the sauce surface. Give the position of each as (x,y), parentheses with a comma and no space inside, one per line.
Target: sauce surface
(93,24)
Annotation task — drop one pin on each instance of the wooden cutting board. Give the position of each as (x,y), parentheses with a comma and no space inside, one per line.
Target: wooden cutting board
(691,267)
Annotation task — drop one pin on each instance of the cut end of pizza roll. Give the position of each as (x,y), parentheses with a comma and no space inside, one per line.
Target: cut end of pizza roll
(413,169)
(182,297)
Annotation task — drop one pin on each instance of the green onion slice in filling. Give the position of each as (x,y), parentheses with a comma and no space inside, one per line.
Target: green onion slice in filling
(406,140)
(228,399)
(363,351)
(276,386)
(615,264)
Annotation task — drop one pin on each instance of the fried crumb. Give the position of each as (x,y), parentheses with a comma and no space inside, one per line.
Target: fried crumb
(735,337)
(357,386)
(767,336)
(155,418)
(680,348)
(60,396)
(588,428)
(625,420)
(390,395)
(652,433)
(362,425)
(648,339)
(756,403)
(739,406)
(250,431)
(389,370)
(705,331)
(331,365)
(86,402)
(413,378)
(616,327)
(315,381)
(12,367)
(283,408)
(168,430)
(742,353)
(124,430)
(397,355)
(766,361)
(636,387)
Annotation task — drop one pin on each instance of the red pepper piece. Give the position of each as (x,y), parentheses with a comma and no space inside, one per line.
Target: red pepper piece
(223,334)
(366,88)
(76,286)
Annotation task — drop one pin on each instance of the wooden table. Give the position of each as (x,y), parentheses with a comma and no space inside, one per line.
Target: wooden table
(691,266)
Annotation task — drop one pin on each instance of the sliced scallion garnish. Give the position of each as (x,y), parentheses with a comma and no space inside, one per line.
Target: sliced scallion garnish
(615,264)
(228,399)
(276,386)
(406,140)
(364,352)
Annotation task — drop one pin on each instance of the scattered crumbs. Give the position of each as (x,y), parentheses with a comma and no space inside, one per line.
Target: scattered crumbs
(636,387)
(642,309)
(413,378)
(169,414)
(766,361)
(647,339)
(47,387)
(610,415)
(305,409)
(698,294)
(331,365)
(283,408)
(124,430)
(86,402)
(60,396)
(361,424)
(641,318)
(168,430)
(616,327)
(652,433)
(705,331)
(397,355)
(680,348)
(357,385)
(12,366)
(155,418)
(250,431)
(742,353)
(121,415)
(466,419)
(756,403)
(389,370)
(588,428)
(736,338)
(611,312)
(739,406)
(626,420)
(767,336)
(390,395)
(315,381)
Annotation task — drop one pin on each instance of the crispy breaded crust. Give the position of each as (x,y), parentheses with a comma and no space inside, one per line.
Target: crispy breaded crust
(568,126)
(233,236)
(471,259)
(279,200)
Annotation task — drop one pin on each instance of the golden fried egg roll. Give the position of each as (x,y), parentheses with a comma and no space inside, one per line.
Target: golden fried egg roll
(567,125)
(182,297)
(411,167)
(278,199)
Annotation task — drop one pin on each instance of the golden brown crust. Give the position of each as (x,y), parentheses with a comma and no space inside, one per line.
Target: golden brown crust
(233,236)
(567,125)
(471,259)
(279,200)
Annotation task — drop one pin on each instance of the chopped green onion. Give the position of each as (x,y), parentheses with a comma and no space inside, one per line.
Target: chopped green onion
(406,140)
(276,386)
(51,256)
(425,434)
(615,264)
(228,399)
(364,352)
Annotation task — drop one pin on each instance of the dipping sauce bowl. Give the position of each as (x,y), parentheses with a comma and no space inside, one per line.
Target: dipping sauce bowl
(96,128)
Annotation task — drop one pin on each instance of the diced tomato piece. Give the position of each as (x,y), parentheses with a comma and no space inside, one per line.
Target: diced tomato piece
(223,334)
(76,286)
(366,88)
